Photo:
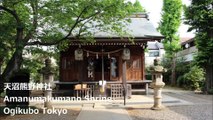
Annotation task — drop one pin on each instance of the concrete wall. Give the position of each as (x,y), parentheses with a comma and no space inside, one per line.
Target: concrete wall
(187,54)
(149,60)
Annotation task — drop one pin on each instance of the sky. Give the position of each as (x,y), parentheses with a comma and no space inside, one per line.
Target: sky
(153,8)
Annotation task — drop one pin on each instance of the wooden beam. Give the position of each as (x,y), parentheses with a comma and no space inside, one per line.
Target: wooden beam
(124,80)
(80,69)
(102,65)
(143,64)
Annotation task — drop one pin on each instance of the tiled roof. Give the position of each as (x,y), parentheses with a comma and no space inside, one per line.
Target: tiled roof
(139,27)
(185,40)
(154,45)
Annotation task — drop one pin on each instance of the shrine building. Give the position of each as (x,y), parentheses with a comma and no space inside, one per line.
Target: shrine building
(110,61)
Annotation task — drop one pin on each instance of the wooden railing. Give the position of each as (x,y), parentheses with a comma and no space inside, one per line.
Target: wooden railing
(92,86)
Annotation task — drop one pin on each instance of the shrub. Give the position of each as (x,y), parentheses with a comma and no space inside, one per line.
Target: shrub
(181,81)
(181,68)
(195,77)
(2,94)
(210,91)
(166,63)
(148,75)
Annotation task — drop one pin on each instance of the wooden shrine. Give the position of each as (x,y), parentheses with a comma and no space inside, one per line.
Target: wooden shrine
(114,59)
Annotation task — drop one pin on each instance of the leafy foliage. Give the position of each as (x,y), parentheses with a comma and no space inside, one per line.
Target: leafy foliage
(195,77)
(181,68)
(210,91)
(199,16)
(27,25)
(169,24)
(137,7)
(36,62)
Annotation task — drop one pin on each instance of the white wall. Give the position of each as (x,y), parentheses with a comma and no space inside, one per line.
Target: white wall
(150,60)
(187,54)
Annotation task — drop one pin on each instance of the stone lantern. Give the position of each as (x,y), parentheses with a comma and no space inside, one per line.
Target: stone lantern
(157,83)
(48,78)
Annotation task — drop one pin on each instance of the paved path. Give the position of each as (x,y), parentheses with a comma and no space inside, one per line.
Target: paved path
(103,114)
(178,105)
(191,107)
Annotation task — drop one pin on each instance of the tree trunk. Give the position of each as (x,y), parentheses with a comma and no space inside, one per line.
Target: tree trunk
(1,80)
(209,67)
(13,65)
(209,77)
(1,62)
(173,77)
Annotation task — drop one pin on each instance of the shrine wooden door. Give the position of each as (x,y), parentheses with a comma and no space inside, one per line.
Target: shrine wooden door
(133,71)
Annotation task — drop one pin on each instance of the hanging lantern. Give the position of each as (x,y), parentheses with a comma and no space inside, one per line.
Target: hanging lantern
(87,54)
(108,56)
(126,54)
(96,55)
(79,54)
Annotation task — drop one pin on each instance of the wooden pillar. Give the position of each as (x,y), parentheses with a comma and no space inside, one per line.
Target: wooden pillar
(143,64)
(102,65)
(120,69)
(80,69)
(124,80)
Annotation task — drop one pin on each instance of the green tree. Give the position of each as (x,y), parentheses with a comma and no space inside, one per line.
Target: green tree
(35,62)
(29,24)
(199,16)
(137,7)
(169,24)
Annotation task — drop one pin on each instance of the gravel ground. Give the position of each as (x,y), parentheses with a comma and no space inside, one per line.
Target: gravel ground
(71,115)
(200,109)
(195,112)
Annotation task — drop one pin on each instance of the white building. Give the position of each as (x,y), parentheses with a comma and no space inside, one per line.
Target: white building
(155,50)
(188,49)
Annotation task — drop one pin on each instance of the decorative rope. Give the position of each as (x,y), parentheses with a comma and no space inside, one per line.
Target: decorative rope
(110,52)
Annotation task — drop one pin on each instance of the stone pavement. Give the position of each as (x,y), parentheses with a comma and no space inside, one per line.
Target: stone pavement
(115,110)
(134,102)
(178,104)
(103,114)
(190,107)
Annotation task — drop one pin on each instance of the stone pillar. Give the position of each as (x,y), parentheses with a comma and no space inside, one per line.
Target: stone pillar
(157,84)
(48,77)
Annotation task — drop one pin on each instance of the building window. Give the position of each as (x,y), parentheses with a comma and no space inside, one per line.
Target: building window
(154,54)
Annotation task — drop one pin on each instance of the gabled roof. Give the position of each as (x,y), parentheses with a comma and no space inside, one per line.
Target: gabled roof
(140,28)
(186,40)
(154,45)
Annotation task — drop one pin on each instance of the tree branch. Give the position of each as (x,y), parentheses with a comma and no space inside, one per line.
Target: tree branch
(81,27)
(35,20)
(76,23)
(19,27)
(78,20)
(13,13)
